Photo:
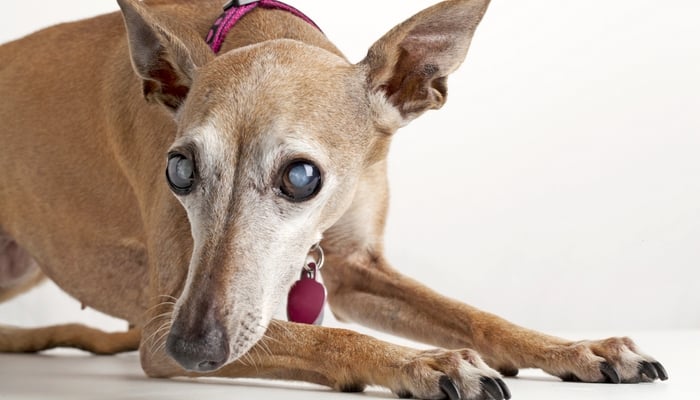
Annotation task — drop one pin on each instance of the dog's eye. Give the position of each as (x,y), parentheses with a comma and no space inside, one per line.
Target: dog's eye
(180,173)
(301,181)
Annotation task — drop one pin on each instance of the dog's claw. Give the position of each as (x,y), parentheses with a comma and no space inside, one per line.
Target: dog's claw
(504,388)
(646,368)
(448,387)
(404,395)
(570,378)
(611,375)
(492,388)
(660,370)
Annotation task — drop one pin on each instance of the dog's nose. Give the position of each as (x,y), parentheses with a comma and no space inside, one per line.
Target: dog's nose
(203,350)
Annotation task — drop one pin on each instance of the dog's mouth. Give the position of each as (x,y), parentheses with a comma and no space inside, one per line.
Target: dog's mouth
(250,331)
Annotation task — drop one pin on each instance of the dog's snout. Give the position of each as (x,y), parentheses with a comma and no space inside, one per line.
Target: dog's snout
(204,349)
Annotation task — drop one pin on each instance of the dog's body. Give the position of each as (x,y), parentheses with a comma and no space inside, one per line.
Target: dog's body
(83,200)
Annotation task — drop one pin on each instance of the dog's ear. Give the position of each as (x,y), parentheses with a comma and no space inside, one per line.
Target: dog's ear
(166,62)
(410,64)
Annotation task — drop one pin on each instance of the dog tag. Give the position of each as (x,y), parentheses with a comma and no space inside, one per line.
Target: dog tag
(307,298)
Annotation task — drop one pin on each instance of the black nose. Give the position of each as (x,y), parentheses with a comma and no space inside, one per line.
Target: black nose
(202,350)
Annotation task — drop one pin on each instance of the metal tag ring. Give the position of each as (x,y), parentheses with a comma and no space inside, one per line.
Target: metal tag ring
(321,257)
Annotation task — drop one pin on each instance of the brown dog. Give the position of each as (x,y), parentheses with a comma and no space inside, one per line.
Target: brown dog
(271,147)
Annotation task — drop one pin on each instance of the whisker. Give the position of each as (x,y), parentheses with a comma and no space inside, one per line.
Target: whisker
(160,333)
(255,353)
(267,337)
(167,296)
(157,317)
(252,361)
(163,318)
(243,361)
(264,347)
(277,324)
(161,347)
(165,303)
(165,326)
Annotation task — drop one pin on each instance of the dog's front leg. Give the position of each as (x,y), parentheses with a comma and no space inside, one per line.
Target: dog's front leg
(365,289)
(348,361)
(339,359)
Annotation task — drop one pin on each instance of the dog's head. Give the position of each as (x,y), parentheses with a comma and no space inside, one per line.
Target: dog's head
(272,141)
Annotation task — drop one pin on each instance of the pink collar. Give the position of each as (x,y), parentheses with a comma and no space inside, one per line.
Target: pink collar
(235,10)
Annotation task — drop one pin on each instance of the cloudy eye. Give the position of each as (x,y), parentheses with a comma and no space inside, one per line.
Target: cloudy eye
(301,181)
(180,173)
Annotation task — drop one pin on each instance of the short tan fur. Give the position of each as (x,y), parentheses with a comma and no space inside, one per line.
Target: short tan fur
(86,125)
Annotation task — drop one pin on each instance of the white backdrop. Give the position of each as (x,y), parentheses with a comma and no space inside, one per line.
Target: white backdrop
(559,187)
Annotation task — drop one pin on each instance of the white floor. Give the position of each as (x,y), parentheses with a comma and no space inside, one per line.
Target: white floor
(77,376)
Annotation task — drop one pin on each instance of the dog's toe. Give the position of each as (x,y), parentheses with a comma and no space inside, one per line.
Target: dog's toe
(614,360)
(450,374)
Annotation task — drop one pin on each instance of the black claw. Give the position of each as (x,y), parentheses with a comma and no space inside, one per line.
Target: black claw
(448,387)
(611,376)
(504,388)
(645,368)
(492,388)
(509,372)
(405,395)
(570,378)
(353,388)
(660,370)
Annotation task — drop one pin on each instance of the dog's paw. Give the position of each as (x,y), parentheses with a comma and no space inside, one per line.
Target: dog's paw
(614,360)
(446,374)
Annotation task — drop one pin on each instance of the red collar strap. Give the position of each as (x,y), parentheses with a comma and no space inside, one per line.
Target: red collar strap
(234,10)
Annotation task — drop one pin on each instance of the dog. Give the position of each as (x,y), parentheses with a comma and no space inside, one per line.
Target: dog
(274,147)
